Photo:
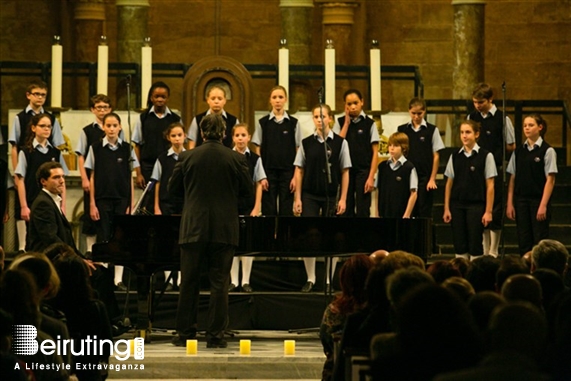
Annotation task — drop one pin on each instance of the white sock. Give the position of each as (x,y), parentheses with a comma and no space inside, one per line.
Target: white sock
(89,241)
(118,274)
(235,271)
(334,261)
(246,269)
(21,227)
(179,279)
(486,241)
(465,256)
(310,269)
(495,236)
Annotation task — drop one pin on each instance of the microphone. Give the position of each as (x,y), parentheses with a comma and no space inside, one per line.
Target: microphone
(320,94)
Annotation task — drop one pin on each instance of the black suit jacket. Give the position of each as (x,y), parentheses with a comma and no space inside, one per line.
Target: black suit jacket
(47,225)
(211,177)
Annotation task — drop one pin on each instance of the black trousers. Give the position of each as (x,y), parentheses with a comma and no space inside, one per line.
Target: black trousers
(218,258)
(424,201)
(358,202)
(108,208)
(467,228)
(529,230)
(278,199)
(316,206)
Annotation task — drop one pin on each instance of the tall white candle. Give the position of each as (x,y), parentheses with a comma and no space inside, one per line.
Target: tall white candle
(146,73)
(283,67)
(330,77)
(57,73)
(102,67)
(376,79)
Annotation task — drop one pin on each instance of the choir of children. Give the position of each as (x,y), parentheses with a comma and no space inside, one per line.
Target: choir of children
(405,181)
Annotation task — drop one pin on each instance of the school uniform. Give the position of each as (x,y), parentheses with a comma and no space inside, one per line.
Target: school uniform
(149,136)
(531,165)
(361,135)
(28,164)
(19,132)
(162,172)
(315,189)
(90,134)
(491,138)
(395,181)
(423,143)
(278,141)
(112,167)
(469,172)
(194,129)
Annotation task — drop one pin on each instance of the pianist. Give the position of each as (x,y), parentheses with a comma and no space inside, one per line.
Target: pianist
(211,177)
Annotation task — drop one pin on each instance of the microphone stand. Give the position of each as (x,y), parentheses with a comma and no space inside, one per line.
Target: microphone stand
(504,182)
(128,85)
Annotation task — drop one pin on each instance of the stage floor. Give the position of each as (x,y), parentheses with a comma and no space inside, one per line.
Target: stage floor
(267,361)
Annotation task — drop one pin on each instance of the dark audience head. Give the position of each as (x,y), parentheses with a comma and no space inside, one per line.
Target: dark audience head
(213,127)
(526,260)
(462,264)
(56,249)
(518,327)
(482,273)
(436,330)
(379,255)
(460,287)
(19,298)
(352,278)
(442,270)
(550,254)
(509,266)
(522,287)
(75,283)
(6,322)
(482,305)
(42,270)
(403,281)
(551,285)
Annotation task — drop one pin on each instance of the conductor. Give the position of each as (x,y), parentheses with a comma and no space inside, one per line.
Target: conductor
(211,178)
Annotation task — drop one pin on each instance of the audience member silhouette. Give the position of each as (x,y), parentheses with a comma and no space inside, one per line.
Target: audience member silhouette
(523,287)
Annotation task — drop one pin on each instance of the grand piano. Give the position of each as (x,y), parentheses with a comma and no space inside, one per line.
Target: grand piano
(147,244)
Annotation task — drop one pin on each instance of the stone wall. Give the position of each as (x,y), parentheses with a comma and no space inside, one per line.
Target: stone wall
(527,42)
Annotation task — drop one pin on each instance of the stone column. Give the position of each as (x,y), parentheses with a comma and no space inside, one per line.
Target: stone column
(132,29)
(89,16)
(297,16)
(469,39)
(338,20)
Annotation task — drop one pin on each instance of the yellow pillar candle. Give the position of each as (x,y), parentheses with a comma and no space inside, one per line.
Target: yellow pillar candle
(289,347)
(245,347)
(192,347)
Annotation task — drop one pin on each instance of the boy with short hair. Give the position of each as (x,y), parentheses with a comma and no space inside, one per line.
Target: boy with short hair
(397,180)
(491,136)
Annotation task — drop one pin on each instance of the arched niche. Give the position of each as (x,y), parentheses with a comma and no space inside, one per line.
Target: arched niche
(228,72)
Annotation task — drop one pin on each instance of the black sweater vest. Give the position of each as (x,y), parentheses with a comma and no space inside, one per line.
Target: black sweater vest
(530,173)
(420,148)
(394,189)
(359,140)
(112,171)
(153,129)
(469,177)
(278,143)
(34,159)
(491,135)
(315,175)
(227,139)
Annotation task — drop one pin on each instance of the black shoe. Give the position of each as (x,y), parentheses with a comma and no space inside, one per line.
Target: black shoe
(247,288)
(180,341)
(169,287)
(121,286)
(118,328)
(232,287)
(329,289)
(307,287)
(176,287)
(215,342)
